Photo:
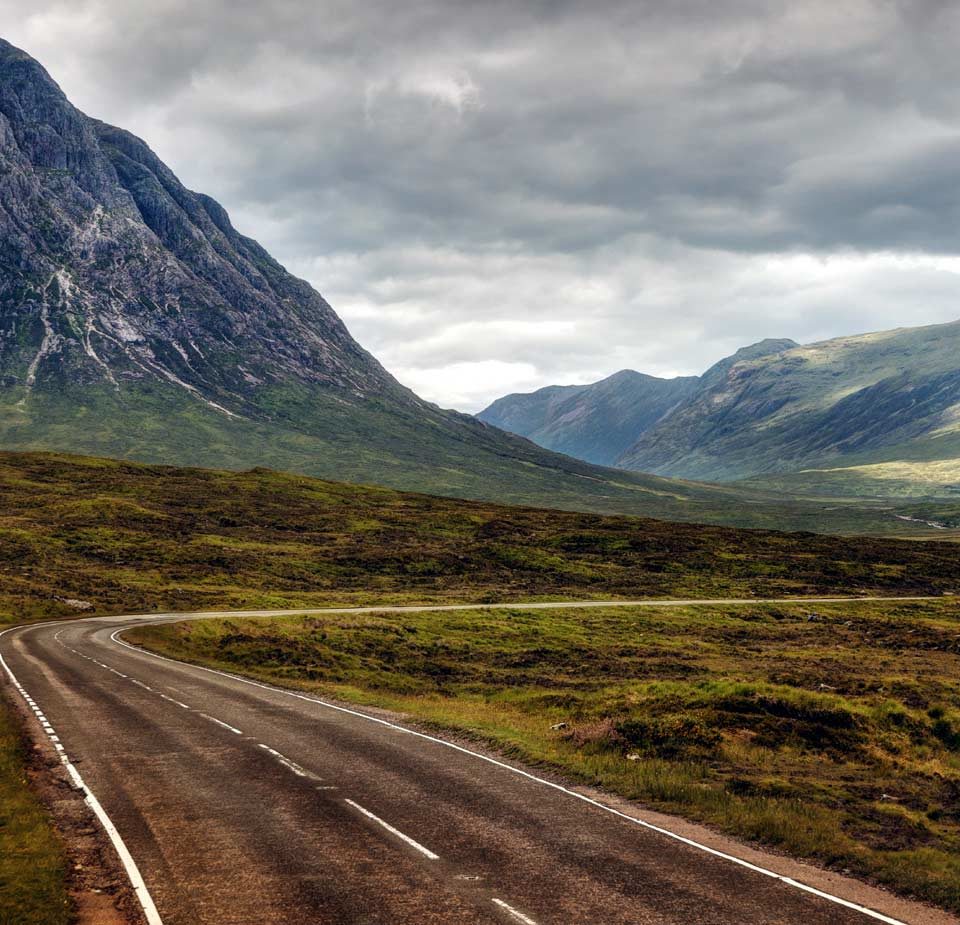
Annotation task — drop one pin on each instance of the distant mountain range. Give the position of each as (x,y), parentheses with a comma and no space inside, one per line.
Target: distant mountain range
(872,414)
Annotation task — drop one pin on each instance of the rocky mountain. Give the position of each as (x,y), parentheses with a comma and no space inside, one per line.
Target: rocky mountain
(136,322)
(872,414)
(596,422)
(600,422)
(875,398)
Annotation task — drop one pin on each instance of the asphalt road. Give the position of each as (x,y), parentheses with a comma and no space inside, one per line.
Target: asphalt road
(241,804)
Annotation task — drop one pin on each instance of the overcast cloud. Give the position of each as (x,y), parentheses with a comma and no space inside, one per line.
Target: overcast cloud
(498,196)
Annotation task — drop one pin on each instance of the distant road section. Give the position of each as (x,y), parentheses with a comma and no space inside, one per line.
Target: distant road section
(241,803)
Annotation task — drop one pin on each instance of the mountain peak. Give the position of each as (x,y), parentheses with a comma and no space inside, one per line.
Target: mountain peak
(762,348)
(115,273)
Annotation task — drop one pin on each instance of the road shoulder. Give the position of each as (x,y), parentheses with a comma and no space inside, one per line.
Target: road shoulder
(95,886)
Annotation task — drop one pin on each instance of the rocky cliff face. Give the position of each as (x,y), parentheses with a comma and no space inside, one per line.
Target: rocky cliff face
(112,271)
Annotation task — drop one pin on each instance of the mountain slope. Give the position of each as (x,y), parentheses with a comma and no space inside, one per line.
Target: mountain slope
(882,397)
(596,422)
(136,322)
(601,421)
(875,414)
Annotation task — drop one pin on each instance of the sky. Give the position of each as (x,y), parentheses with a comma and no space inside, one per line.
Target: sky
(497,196)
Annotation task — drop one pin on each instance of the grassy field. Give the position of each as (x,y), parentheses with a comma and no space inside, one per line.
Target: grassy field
(87,535)
(31,860)
(831,733)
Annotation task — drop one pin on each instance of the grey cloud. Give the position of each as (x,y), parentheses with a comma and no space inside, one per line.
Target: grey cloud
(445,169)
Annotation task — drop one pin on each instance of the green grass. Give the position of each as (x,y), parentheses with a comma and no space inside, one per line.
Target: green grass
(834,736)
(32,867)
(406,447)
(127,537)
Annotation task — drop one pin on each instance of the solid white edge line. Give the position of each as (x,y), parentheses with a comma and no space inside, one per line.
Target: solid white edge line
(426,852)
(129,865)
(519,916)
(788,881)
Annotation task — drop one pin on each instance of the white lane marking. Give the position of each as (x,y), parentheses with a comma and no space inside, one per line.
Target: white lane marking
(286,762)
(220,722)
(146,687)
(519,916)
(179,703)
(129,865)
(426,852)
(706,849)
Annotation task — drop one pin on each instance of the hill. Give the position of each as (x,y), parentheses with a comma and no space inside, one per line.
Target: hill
(596,422)
(601,421)
(876,397)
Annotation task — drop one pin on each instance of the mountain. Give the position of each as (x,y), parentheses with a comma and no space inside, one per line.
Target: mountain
(596,422)
(136,322)
(874,414)
(878,399)
(601,421)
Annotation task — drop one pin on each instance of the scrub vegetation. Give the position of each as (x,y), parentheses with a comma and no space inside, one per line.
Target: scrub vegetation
(32,870)
(83,535)
(723,708)
(831,733)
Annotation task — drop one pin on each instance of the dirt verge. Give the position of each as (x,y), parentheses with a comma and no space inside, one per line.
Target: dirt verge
(97,884)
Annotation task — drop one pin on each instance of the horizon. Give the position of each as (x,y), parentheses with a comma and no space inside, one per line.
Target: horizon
(487,224)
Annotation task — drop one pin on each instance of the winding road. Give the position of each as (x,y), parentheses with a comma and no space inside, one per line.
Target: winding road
(237,803)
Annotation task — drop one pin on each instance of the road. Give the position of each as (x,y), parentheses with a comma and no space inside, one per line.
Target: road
(239,803)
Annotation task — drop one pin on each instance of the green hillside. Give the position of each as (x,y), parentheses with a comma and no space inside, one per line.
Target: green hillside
(886,397)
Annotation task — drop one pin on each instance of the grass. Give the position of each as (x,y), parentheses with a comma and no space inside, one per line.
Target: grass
(32,867)
(902,478)
(832,734)
(407,447)
(119,537)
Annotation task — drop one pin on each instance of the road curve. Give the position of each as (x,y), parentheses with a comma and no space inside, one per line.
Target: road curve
(240,803)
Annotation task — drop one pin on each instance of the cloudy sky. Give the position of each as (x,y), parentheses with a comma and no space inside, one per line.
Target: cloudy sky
(497,196)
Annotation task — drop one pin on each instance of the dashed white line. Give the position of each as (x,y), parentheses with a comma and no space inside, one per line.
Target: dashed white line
(286,762)
(179,703)
(426,852)
(220,722)
(514,913)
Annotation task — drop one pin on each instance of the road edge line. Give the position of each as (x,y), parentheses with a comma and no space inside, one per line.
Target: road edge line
(126,859)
